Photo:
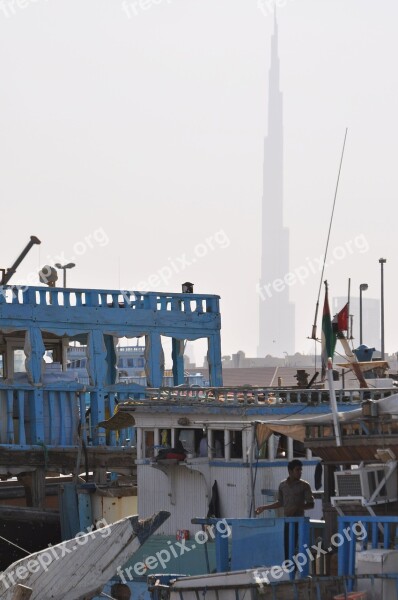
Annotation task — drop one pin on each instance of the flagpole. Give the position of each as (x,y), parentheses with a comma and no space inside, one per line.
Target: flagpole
(333,403)
(348,302)
(313,333)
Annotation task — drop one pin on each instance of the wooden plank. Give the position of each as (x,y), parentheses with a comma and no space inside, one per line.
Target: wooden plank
(10,422)
(22,514)
(21,417)
(80,567)
(60,459)
(21,592)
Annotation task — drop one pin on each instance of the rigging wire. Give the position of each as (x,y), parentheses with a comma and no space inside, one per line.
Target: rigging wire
(16,545)
(313,335)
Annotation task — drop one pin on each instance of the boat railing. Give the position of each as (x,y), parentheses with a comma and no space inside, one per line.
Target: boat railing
(265,396)
(62,415)
(119,299)
(165,586)
(382,425)
(234,551)
(365,533)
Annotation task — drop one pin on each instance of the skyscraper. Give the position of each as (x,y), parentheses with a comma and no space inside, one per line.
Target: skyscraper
(277,324)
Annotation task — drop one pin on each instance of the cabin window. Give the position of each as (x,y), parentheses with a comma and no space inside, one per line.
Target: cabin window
(298,449)
(165,438)
(19,361)
(262,450)
(190,439)
(49,356)
(281,448)
(236,444)
(149,443)
(218,443)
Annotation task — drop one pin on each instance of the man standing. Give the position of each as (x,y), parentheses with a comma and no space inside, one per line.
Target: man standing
(294,495)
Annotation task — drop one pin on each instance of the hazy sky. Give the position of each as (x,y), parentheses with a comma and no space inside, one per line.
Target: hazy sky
(131,142)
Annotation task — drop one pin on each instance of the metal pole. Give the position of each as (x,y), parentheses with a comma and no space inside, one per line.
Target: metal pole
(382,261)
(333,403)
(64,267)
(362,288)
(10,272)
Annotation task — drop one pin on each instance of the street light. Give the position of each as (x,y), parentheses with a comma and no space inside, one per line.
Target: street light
(382,261)
(362,288)
(64,267)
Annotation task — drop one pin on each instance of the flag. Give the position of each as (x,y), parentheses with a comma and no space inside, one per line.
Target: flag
(214,504)
(342,319)
(328,335)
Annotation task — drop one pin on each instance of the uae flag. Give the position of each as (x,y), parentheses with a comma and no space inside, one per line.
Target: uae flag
(342,319)
(328,335)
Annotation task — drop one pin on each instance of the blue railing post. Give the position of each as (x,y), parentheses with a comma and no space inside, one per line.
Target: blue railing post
(177,354)
(298,541)
(370,531)
(36,416)
(222,555)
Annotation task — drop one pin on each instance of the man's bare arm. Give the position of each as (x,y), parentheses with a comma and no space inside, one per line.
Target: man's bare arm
(261,509)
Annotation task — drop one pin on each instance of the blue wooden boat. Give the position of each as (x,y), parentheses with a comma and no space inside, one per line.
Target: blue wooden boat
(49,422)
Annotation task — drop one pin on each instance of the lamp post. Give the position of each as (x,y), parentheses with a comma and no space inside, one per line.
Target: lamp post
(362,288)
(382,261)
(64,267)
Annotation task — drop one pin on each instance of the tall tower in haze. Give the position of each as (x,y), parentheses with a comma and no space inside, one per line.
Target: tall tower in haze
(277,324)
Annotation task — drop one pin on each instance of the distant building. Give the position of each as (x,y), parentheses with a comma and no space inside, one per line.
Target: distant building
(131,361)
(371,332)
(241,361)
(276,312)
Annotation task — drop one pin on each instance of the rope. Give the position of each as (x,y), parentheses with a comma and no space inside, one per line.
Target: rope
(16,545)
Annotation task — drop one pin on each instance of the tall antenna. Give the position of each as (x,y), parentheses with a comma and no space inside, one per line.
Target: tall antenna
(313,335)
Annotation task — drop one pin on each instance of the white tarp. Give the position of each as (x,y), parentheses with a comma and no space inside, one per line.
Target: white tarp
(295,427)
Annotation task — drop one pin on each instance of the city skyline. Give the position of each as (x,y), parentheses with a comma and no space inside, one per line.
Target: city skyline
(133,145)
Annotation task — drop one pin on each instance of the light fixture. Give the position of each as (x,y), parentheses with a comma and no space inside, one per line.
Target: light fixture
(64,267)
(48,275)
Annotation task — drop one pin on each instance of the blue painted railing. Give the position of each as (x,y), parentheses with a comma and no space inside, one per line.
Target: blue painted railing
(266,537)
(121,299)
(57,415)
(53,414)
(359,533)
